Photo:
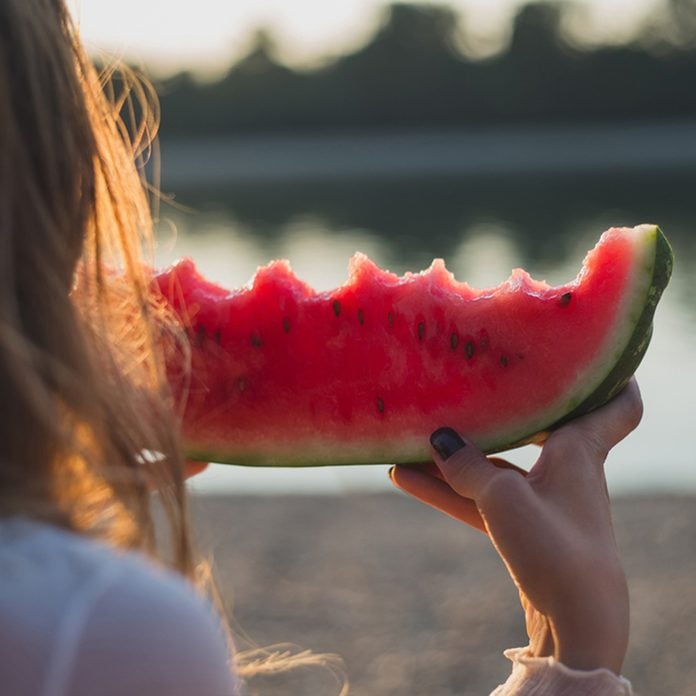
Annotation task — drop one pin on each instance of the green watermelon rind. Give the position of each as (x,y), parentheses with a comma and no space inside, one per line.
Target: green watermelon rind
(638,344)
(649,285)
(632,355)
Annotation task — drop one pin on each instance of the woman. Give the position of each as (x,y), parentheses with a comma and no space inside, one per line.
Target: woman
(90,601)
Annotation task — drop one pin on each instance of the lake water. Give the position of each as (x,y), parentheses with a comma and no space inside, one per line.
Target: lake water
(483,224)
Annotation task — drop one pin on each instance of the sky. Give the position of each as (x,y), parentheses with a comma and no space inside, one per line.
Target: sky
(205,35)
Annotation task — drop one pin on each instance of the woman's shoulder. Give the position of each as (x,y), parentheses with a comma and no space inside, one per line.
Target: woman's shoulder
(53,563)
(108,621)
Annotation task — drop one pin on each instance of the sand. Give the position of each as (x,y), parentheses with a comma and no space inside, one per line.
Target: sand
(415,603)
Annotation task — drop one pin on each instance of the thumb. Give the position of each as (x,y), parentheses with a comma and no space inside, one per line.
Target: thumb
(463,465)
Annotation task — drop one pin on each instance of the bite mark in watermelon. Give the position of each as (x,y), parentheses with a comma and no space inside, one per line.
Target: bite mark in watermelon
(286,376)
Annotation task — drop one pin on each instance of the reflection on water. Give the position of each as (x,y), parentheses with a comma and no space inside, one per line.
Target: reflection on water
(482,228)
(484,256)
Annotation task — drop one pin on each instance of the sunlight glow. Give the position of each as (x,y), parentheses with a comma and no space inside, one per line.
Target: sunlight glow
(206,35)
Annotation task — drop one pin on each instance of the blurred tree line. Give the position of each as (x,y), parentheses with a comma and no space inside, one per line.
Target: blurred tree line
(414,73)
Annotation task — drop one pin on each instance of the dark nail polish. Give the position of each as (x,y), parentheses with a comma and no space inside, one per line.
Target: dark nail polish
(446,442)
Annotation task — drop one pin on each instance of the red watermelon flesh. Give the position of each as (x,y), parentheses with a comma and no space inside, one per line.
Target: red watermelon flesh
(283,375)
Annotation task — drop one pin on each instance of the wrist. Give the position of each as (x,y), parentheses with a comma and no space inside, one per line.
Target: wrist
(593,638)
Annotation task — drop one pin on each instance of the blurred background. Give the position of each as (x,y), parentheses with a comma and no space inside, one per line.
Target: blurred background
(493,134)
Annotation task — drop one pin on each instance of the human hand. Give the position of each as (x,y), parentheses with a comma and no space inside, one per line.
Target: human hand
(552,528)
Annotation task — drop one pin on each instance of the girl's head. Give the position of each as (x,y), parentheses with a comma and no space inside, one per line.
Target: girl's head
(81,389)
(82,392)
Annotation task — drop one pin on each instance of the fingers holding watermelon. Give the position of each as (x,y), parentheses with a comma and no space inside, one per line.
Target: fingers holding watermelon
(431,488)
(600,430)
(552,529)
(427,483)
(572,459)
(467,471)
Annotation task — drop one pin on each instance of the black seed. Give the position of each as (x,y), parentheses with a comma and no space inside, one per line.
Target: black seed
(380,405)
(256,341)
(454,340)
(421,330)
(361,317)
(469,350)
(336,307)
(241,384)
(217,336)
(504,360)
(286,325)
(565,299)
(200,335)
(390,318)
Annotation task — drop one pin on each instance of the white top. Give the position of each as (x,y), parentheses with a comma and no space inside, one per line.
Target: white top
(79,619)
(544,676)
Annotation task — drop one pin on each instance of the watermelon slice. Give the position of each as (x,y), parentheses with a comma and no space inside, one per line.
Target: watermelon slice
(286,376)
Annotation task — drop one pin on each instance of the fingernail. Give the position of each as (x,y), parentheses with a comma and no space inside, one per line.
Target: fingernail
(391,472)
(446,442)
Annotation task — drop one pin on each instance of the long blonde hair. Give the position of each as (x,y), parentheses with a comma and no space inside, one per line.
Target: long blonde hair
(83,388)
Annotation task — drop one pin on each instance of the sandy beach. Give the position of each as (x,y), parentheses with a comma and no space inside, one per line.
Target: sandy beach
(417,604)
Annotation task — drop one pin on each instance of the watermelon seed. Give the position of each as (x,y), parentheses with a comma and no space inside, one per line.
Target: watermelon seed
(286,325)
(565,299)
(217,336)
(421,330)
(469,350)
(241,384)
(256,341)
(200,335)
(504,360)
(336,307)
(380,405)
(454,340)
(390,318)
(361,317)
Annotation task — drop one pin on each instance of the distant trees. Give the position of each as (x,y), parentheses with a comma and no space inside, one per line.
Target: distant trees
(675,22)
(412,75)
